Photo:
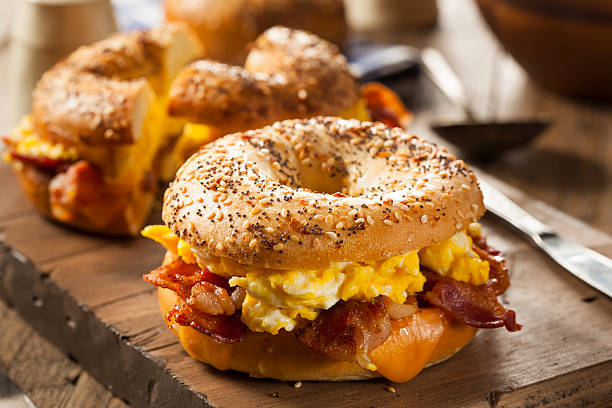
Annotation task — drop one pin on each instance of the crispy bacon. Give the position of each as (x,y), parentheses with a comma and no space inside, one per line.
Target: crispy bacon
(211,299)
(499,280)
(348,331)
(180,277)
(223,328)
(205,304)
(474,305)
(46,164)
(385,106)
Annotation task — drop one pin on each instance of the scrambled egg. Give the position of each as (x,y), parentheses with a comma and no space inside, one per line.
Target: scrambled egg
(28,143)
(455,258)
(277,299)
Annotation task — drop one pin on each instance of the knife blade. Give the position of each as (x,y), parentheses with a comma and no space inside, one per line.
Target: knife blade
(11,395)
(591,267)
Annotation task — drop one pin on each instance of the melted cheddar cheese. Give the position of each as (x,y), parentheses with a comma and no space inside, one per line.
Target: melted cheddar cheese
(278,299)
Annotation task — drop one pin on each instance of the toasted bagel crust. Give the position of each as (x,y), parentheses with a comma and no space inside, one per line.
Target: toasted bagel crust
(226,27)
(288,74)
(102,92)
(248,196)
(281,356)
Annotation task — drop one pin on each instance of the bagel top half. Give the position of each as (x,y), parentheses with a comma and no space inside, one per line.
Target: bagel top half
(288,74)
(305,193)
(102,93)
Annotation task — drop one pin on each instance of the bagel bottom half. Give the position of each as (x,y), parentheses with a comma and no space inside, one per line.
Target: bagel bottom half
(421,340)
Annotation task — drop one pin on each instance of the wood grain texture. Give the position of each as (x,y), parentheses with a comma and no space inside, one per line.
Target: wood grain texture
(569,167)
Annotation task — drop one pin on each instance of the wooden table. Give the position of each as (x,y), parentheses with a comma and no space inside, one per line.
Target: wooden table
(569,167)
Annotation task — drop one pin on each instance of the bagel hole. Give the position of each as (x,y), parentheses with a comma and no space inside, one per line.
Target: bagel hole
(314,178)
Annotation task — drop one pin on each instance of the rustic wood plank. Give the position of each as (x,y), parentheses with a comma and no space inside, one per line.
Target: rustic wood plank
(52,241)
(61,383)
(13,204)
(589,387)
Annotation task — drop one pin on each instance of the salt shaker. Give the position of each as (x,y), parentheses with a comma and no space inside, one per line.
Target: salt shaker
(42,33)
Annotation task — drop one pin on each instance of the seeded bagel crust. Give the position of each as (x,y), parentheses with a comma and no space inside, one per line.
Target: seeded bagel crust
(101,93)
(266,197)
(288,74)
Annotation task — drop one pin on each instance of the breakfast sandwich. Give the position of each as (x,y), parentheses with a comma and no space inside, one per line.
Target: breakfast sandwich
(118,116)
(326,249)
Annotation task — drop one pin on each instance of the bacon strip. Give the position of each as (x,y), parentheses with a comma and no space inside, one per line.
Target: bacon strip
(348,331)
(186,280)
(385,106)
(499,280)
(40,162)
(474,305)
(181,277)
(223,328)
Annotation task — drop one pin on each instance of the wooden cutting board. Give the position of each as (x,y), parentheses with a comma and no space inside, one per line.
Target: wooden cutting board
(86,295)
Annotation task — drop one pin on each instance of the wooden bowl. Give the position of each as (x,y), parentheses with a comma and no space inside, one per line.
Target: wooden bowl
(564,45)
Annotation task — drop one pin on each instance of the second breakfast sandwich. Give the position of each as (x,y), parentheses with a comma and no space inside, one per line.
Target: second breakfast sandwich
(326,249)
(110,120)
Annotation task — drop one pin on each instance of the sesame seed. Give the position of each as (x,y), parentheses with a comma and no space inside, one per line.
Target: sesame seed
(331,234)
(329,219)
(390,389)
(388,222)
(424,218)
(297,384)
(340,225)
(284,212)
(370,220)
(278,246)
(269,230)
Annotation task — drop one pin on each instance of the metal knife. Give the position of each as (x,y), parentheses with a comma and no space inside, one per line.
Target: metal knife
(11,395)
(584,263)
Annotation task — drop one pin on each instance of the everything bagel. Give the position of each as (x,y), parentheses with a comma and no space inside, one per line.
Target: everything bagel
(340,189)
(288,74)
(326,249)
(88,155)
